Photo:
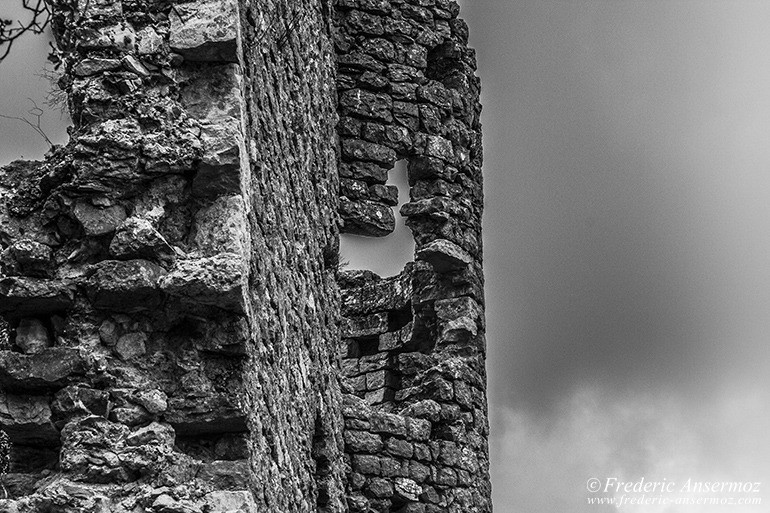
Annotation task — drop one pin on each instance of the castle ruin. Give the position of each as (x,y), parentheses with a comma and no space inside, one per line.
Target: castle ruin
(180,335)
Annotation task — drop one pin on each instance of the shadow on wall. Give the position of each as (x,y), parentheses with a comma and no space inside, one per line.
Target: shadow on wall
(388,255)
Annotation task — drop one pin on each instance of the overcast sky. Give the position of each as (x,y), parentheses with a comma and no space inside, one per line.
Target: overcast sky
(627,241)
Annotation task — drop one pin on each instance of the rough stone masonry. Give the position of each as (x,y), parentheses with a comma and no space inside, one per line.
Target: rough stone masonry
(179,337)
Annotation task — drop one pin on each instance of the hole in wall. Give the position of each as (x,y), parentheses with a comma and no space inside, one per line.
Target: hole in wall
(387,255)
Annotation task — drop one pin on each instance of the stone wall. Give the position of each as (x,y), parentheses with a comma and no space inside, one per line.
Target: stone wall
(413,345)
(179,337)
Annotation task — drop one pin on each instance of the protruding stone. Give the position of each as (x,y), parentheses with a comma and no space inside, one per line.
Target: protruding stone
(205,30)
(226,475)
(50,368)
(99,221)
(217,281)
(32,336)
(212,413)
(125,286)
(460,319)
(230,502)
(109,332)
(355,149)
(27,419)
(366,218)
(137,239)
(444,255)
(21,296)
(79,401)
(365,326)
(154,401)
(32,258)
(134,65)
(407,490)
(131,345)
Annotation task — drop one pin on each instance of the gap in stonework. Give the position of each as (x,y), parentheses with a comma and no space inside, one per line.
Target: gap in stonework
(387,255)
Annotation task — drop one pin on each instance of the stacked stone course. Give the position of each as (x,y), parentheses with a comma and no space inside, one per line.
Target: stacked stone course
(179,337)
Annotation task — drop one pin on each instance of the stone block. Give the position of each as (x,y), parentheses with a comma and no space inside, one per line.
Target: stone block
(365,326)
(206,414)
(366,218)
(387,294)
(367,105)
(98,220)
(27,419)
(32,336)
(216,281)
(225,475)
(79,401)
(356,149)
(460,320)
(125,285)
(407,489)
(388,423)
(221,227)
(219,170)
(212,93)
(205,30)
(362,442)
(444,255)
(137,239)
(20,297)
(51,368)
(399,448)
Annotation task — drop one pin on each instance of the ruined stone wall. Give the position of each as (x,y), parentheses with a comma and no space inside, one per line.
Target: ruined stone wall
(413,345)
(179,336)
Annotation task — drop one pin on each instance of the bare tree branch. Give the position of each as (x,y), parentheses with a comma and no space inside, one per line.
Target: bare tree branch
(10,31)
(37,113)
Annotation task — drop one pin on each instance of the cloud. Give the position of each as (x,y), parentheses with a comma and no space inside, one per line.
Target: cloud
(543,462)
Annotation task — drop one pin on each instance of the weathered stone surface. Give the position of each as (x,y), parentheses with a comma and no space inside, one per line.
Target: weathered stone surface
(125,286)
(444,255)
(222,227)
(355,149)
(79,401)
(367,105)
(97,220)
(205,30)
(226,475)
(50,368)
(131,345)
(27,419)
(378,296)
(101,451)
(365,326)
(217,281)
(461,319)
(31,257)
(406,489)
(218,310)
(21,296)
(32,336)
(230,502)
(367,218)
(213,413)
(137,239)
(219,172)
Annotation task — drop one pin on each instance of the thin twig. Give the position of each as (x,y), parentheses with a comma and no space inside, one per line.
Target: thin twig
(37,113)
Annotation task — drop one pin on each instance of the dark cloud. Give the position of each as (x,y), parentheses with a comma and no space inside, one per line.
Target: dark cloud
(626,257)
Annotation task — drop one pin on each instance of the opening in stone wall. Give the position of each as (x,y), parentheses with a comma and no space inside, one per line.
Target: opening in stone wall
(387,255)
